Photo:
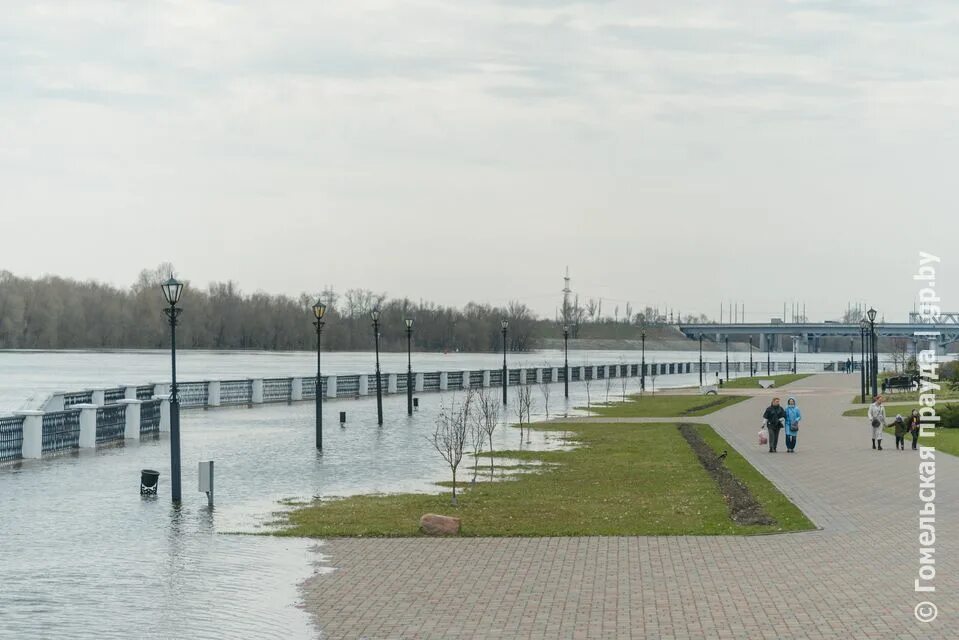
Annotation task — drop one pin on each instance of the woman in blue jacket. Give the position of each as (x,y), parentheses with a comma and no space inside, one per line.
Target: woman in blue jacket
(793,416)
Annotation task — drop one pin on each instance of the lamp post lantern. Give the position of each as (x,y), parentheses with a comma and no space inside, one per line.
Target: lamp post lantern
(862,359)
(566,360)
(875,351)
(409,366)
(375,316)
(172,289)
(505,325)
(642,365)
(319,310)
(700,360)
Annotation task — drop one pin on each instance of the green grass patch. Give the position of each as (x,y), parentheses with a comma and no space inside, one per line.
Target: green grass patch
(945,440)
(892,408)
(623,479)
(665,406)
(945,393)
(753,383)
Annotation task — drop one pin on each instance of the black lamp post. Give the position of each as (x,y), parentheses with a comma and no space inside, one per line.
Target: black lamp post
(505,326)
(172,289)
(727,358)
(409,366)
(751,371)
(566,359)
(642,374)
(863,324)
(875,351)
(700,360)
(795,347)
(852,359)
(375,316)
(319,310)
(768,357)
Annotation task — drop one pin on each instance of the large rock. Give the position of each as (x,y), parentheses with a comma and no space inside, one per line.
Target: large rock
(435,525)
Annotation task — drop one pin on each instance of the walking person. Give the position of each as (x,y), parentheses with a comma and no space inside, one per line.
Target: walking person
(775,418)
(793,416)
(901,428)
(877,421)
(913,425)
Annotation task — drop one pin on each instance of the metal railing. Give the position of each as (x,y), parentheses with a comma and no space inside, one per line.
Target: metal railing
(150,417)
(111,396)
(11,438)
(193,394)
(278,390)
(236,392)
(111,423)
(145,392)
(78,397)
(61,430)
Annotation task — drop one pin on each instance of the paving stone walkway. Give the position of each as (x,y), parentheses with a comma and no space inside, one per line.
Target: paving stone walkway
(851,579)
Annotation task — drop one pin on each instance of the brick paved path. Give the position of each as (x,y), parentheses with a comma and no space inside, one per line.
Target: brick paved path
(852,579)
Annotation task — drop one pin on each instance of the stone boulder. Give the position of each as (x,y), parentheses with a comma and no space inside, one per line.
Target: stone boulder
(435,525)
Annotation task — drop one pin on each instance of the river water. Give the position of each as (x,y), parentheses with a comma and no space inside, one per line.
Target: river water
(83,555)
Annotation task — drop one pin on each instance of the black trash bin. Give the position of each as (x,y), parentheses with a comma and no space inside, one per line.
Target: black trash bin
(149,479)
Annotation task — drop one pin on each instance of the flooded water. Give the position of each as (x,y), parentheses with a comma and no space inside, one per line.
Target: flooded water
(83,555)
(28,377)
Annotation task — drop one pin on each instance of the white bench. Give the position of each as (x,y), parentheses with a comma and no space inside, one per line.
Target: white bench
(767,384)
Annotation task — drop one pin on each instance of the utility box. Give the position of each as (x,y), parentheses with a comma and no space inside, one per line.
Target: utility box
(205,476)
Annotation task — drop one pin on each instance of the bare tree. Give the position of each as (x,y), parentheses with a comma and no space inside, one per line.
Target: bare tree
(477,436)
(452,433)
(545,388)
(487,415)
(900,353)
(526,403)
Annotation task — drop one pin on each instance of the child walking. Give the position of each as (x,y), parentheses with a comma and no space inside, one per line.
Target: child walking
(901,428)
(793,416)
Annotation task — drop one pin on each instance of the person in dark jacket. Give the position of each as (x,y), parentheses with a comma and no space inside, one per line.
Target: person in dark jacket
(775,417)
(901,428)
(914,422)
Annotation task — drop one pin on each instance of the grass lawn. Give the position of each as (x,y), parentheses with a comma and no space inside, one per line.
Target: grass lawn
(945,393)
(945,440)
(623,479)
(892,408)
(753,383)
(665,406)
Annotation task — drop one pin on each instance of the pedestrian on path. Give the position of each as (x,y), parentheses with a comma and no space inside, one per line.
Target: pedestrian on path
(914,428)
(900,424)
(877,421)
(793,416)
(775,418)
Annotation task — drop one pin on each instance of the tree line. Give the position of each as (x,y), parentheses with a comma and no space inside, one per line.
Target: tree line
(60,313)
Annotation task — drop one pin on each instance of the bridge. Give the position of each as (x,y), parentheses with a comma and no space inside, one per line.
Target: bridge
(772,336)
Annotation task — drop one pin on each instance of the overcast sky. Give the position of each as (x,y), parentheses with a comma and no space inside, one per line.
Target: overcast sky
(672,153)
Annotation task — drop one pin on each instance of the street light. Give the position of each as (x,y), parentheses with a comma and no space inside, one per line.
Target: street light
(172,289)
(768,356)
(795,347)
(727,358)
(505,326)
(642,375)
(319,310)
(700,360)
(862,359)
(751,370)
(875,351)
(852,359)
(566,359)
(409,366)
(375,316)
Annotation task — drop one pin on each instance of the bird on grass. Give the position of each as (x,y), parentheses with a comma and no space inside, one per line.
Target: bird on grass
(722,456)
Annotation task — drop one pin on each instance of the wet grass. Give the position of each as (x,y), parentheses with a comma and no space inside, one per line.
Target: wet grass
(753,383)
(623,479)
(665,406)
